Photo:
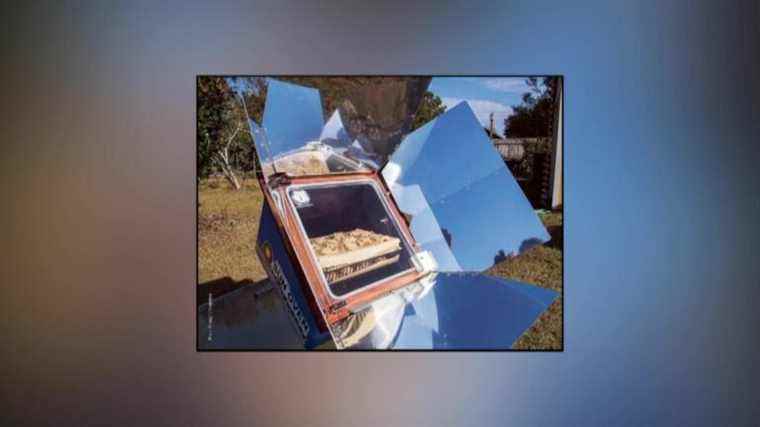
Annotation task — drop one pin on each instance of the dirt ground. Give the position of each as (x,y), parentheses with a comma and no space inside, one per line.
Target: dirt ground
(228,224)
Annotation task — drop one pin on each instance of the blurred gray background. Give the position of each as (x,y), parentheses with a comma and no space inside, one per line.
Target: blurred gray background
(99,203)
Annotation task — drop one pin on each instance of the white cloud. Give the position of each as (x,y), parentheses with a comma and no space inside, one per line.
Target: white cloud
(507,84)
(483,109)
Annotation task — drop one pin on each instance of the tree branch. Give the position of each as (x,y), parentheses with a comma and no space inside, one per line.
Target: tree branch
(234,134)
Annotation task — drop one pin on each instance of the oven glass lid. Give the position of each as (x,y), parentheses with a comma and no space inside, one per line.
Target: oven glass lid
(353,238)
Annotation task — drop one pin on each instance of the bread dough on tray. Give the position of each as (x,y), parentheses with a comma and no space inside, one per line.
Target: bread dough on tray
(346,254)
(300,164)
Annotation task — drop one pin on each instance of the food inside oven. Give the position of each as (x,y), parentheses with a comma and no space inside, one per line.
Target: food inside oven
(353,237)
(299,164)
(319,160)
(343,255)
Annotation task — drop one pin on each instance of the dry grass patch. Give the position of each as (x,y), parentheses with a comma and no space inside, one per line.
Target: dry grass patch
(228,224)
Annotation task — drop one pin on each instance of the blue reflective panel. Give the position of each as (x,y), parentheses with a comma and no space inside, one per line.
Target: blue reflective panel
(479,206)
(292,116)
(410,199)
(424,226)
(471,311)
(428,234)
(244,319)
(488,220)
(541,295)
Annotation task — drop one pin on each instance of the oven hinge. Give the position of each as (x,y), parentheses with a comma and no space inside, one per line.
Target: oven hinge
(337,306)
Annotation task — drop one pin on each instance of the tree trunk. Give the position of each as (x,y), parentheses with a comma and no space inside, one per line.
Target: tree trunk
(229,174)
(223,160)
(224,164)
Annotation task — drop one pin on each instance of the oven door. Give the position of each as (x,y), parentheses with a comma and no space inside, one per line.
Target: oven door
(351,234)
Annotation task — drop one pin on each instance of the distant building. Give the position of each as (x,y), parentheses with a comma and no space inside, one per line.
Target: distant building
(510,149)
(535,163)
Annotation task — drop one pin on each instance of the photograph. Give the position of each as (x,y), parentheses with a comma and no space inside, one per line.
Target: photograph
(379,213)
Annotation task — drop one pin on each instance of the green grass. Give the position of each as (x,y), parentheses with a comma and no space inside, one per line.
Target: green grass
(228,225)
(540,266)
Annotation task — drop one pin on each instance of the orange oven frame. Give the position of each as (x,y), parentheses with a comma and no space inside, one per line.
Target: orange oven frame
(333,309)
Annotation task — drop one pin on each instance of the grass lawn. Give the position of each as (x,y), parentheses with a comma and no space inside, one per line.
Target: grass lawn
(228,225)
(541,266)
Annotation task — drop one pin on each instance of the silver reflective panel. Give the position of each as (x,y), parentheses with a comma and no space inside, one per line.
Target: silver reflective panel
(260,141)
(378,114)
(292,116)
(334,133)
(479,207)
(375,327)
(247,318)
(335,136)
(470,311)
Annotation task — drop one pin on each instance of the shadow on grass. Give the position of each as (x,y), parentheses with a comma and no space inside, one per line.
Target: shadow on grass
(555,231)
(224,285)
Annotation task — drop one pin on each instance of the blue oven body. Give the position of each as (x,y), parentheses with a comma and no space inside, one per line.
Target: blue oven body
(288,280)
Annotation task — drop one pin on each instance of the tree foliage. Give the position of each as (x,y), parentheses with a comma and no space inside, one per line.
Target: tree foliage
(430,107)
(222,131)
(534,118)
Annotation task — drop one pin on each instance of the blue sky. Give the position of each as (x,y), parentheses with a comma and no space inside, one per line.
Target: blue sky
(485,95)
